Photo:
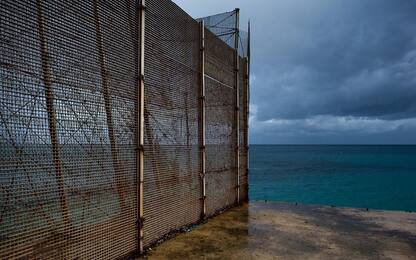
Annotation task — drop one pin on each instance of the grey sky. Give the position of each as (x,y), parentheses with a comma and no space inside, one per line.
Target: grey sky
(329,71)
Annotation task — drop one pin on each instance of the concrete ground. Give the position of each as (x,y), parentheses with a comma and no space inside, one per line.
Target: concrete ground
(261,230)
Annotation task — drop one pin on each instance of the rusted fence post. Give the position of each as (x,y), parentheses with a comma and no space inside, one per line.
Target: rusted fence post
(140,121)
(202,119)
(49,96)
(247,108)
(237,102)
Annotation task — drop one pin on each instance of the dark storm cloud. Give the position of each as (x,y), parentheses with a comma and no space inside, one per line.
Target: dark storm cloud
(341,58)
(335,63)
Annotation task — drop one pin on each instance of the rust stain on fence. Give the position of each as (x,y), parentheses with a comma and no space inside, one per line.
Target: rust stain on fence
(120,123)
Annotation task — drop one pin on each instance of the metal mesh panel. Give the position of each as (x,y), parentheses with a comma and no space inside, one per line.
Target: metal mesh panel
(243,43)
(219,61)
(66,68)
(243,128)
(172,186)
(69,126)
(220,124)
(223,25)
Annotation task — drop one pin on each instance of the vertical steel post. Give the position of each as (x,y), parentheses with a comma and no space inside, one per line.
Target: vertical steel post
(237,101)
(202,118)
(140,120)
(247,108)
(49,96)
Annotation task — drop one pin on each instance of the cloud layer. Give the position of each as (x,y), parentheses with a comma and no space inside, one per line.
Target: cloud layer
(329,71)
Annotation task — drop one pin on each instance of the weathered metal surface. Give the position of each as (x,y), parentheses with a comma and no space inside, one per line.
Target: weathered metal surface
(202,120)
(140,123)
(220,124)
(237,83)
(67,91)
(118,126)
(172,187)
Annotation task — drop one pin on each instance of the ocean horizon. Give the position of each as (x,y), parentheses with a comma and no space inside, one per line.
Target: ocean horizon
(363,176)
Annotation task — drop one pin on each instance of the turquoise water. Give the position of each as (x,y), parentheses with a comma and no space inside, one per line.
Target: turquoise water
(376,177)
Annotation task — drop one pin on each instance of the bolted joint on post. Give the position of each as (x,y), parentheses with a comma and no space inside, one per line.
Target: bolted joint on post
(140,148)
(141,5)
(139,223)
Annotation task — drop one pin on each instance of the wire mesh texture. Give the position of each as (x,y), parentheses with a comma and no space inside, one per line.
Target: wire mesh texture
(172,189)
(69,121)
(223,25)
(220,128)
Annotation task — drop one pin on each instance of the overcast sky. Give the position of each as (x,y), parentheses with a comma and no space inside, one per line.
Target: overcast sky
(328,71)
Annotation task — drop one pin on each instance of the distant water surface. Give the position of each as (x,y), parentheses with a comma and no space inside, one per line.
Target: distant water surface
(376,176)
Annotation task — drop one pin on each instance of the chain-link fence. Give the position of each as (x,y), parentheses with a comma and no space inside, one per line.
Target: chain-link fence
(120,123)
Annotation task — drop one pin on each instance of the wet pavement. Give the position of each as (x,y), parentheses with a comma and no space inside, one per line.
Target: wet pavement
(262,230)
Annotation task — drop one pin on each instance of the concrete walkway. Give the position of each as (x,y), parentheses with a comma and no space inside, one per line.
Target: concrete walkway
(286,231)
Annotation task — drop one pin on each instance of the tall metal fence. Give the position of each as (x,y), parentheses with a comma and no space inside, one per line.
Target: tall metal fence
(120,123)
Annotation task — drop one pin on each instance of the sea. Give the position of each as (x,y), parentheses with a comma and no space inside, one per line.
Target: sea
(362,176)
